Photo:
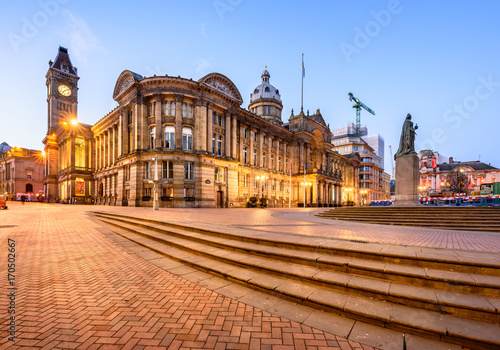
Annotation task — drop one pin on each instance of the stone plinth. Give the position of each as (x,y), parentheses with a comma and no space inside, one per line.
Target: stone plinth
(407,180)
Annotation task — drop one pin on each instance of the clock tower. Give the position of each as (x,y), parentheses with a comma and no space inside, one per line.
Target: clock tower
(62,91)
(62,99)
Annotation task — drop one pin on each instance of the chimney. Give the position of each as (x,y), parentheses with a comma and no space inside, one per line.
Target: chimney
(451,160)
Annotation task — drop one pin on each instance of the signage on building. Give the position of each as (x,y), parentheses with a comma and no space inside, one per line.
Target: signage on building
(80,187)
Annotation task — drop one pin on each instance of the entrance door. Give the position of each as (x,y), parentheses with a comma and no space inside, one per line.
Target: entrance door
(220,199)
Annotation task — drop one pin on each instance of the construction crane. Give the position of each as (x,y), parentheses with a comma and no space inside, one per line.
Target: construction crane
(392,162)
(358,105)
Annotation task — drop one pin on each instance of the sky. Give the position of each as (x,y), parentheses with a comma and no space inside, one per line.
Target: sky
(437,60)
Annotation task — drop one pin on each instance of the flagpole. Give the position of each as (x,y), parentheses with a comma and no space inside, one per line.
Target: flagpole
(302,90)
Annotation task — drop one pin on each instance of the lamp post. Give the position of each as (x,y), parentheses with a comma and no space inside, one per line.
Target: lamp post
(155,202)
(305,184)
(262,180)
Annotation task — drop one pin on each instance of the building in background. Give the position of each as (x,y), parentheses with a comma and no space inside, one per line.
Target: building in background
(435,173)
(21,173)
(210,151)
(371,182)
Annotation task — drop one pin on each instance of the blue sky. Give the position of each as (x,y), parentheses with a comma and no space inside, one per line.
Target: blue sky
(439,61)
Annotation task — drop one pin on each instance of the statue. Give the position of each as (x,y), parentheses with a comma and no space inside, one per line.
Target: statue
(407,141)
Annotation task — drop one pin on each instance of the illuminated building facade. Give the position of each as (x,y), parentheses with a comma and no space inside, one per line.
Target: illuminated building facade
(210,152)
(21,173)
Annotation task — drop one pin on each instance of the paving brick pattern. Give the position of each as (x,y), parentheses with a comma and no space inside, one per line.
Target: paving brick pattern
(77,289)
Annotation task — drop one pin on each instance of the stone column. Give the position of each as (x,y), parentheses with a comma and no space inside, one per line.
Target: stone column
(209,127)
(301,156)
(268,159)
(308,156)
(227,135)
(137,126)
(86,160)
(108,145)
(200,127)
(158,123)
(234,146)
(261,149)
(72,151)
(178,121)
(251,146)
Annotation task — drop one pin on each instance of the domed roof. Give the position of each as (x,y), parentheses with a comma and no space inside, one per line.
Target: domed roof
(265,90)
(427,153)
(4,147)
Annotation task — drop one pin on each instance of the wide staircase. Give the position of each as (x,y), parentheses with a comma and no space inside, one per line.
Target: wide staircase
(485,219)
(430,293)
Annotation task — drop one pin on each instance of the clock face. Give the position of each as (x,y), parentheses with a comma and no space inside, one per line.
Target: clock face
(64,90)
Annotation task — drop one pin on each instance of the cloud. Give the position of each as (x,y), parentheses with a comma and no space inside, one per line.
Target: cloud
(202,65)
(203,30)
(81,41)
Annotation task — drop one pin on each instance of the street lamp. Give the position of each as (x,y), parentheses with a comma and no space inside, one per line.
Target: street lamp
(262,179)
(305,184)
(155,203)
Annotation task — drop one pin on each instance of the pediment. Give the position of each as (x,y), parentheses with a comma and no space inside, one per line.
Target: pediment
(124,81)
(222,84)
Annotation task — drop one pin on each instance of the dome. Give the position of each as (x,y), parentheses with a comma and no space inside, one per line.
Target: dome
(265,90)
(427,154)
(4,147)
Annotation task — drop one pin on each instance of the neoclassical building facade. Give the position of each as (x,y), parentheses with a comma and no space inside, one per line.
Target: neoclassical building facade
(193,139)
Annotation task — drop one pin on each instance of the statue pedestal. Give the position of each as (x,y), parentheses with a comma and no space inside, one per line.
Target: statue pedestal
(407,180)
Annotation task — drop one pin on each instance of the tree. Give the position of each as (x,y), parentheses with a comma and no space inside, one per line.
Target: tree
(459,182)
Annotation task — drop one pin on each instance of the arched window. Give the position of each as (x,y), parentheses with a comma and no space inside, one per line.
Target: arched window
(267,89)
(169,137)
(187,139)
(184,110)
(29,188)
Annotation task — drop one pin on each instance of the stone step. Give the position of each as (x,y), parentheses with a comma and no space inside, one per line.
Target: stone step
(339,253)
(452,219)
(283,277)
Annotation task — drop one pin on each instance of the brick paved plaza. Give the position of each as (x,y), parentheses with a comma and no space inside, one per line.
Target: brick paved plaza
(79,286)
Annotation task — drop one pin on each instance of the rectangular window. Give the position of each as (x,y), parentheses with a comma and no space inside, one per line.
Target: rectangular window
(213,144)
(219,174)
(190,111)
(130,140)
(255,157)
(245,133)
(168,169)
(219,145)
(214,118)
(152,138)
(244,155)
(127,173)
(172,108)
(170,137)
(273,185)
(189,194)
(279,164)
(147,170)
(219,119)
(255,137)
(264,160)
(167,108)
(187,139)
(188,171)
(272,161)
(184,110)
(167,192)
(246,180)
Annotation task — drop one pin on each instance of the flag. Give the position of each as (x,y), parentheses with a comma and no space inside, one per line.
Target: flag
(303,67)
